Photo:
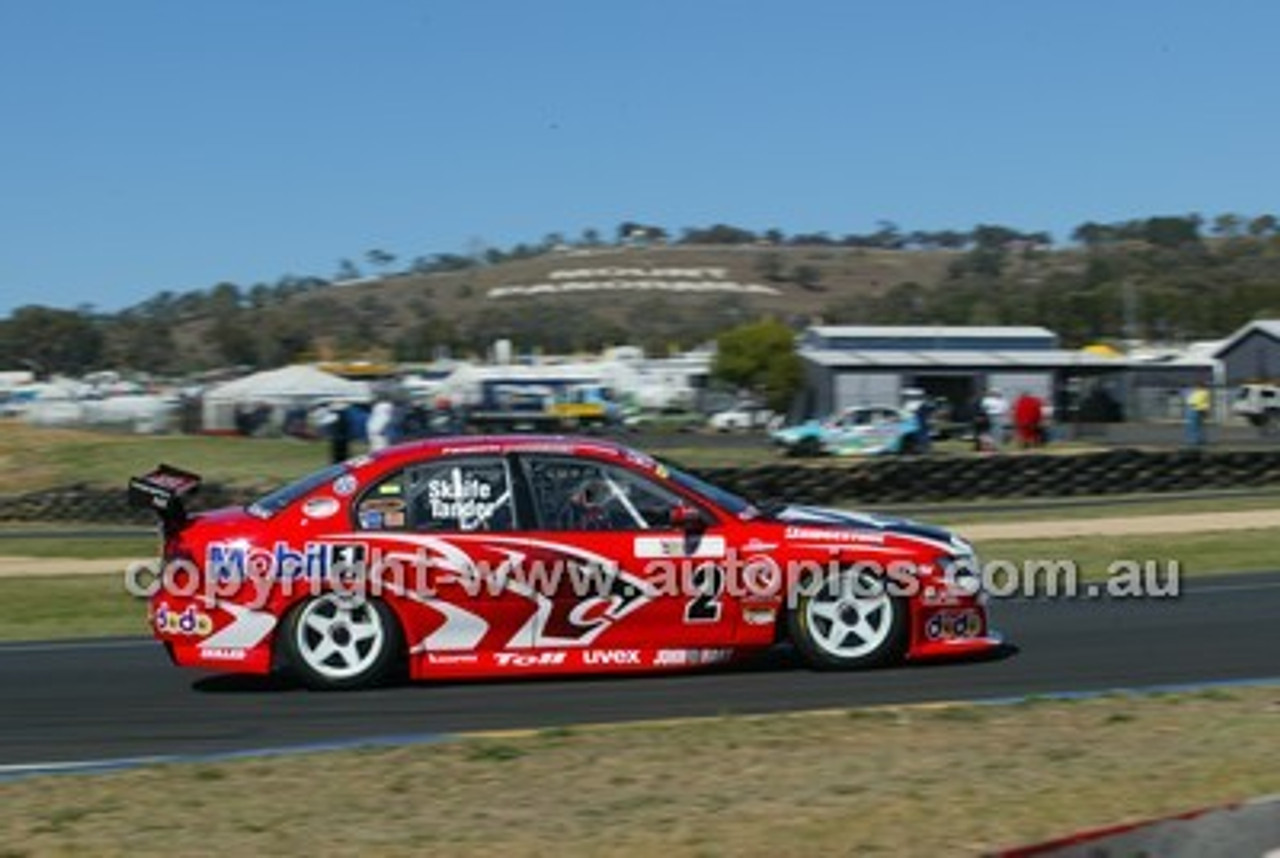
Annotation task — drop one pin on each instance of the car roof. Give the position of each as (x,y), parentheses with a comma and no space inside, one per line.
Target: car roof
(501,445)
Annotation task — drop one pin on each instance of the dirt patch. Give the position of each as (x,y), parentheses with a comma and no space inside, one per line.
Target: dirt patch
(41,567)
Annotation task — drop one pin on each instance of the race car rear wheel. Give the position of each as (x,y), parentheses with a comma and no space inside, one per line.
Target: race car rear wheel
(848,620)
(341,641)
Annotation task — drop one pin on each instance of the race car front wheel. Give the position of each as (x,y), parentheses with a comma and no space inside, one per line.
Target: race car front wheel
(848,620)
(341,641)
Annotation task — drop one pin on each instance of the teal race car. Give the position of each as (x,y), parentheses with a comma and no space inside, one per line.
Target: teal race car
(862,430)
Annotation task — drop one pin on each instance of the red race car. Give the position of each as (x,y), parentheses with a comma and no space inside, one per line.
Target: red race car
(477,557)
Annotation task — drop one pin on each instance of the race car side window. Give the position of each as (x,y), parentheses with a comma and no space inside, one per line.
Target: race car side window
(582,494)
(460,495)
(383,505)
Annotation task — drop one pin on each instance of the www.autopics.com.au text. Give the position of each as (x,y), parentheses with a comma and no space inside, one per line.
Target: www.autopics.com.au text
(426,577)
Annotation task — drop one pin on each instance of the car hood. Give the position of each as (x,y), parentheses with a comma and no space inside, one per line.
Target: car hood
(825,517)
(799,430)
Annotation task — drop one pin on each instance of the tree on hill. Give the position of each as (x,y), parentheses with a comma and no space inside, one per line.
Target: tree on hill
(761,357)
(887,236)
(718,234)
(380,259)
(136,342)
(1262,226)
(811,239)
(1165,231)
(347,270)
(1227,225)
(630,232)
(1172,231)
(48,341)
(946,239)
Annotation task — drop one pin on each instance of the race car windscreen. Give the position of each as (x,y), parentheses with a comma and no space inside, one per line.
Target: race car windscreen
(726,500)
(272,502)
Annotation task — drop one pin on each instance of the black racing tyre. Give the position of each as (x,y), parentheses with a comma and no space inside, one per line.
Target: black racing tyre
(337,641)
(848,620)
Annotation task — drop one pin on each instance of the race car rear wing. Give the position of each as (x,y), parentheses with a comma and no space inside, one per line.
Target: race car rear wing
(164,490)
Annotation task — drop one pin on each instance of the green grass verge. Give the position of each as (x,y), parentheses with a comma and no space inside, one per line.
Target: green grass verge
(890,781)
(955,515)
(69,607)
(1196,553)
(79,548)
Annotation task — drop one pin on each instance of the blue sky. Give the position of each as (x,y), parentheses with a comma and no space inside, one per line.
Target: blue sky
(152,144)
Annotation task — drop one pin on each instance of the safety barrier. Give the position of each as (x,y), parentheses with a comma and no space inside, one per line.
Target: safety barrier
(925,479)
(885,480)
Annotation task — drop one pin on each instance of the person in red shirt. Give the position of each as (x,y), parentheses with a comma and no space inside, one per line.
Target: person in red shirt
(1028,419)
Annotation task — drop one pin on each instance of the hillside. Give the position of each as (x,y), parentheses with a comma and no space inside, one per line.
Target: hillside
(583,299)
(1156,279)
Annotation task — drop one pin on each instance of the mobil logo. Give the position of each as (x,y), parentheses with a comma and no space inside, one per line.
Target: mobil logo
(239,560)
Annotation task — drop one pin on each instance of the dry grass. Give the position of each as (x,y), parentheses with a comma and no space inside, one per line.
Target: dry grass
(33,458)
(890,781)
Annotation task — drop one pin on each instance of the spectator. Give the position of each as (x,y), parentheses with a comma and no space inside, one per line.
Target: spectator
(924,431)
(1198,404)
(416,422)
(336,422)
(243,420)
(381,426)
(981,426)
(295,422)
(1028,420)
(997,408)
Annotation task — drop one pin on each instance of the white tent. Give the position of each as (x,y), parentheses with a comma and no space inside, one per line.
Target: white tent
(300,385)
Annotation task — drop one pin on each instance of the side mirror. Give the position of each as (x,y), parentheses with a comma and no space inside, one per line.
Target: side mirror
(688,518)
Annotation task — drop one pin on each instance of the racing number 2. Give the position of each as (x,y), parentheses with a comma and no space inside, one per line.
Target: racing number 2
(706,583)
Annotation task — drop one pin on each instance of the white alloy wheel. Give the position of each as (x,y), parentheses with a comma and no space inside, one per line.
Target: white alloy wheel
(850,620)
(341,640)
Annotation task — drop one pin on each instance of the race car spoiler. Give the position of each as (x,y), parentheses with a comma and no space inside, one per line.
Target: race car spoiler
(163,490)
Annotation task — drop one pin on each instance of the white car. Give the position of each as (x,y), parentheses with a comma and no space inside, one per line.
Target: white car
(1260,405)
(740,419)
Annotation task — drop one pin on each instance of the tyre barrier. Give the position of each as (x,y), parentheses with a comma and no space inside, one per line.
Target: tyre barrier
(902,479)
(914,479)
(91,504)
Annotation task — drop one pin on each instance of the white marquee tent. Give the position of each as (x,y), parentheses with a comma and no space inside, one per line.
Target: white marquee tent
(300,385)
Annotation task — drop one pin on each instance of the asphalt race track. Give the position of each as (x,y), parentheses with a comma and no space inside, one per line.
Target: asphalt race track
(96,700)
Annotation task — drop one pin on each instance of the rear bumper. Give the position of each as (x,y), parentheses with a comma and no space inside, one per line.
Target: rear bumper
(213,635)
(987,644)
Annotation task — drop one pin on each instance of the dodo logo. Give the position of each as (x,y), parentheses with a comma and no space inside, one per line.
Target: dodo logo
(188,621)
